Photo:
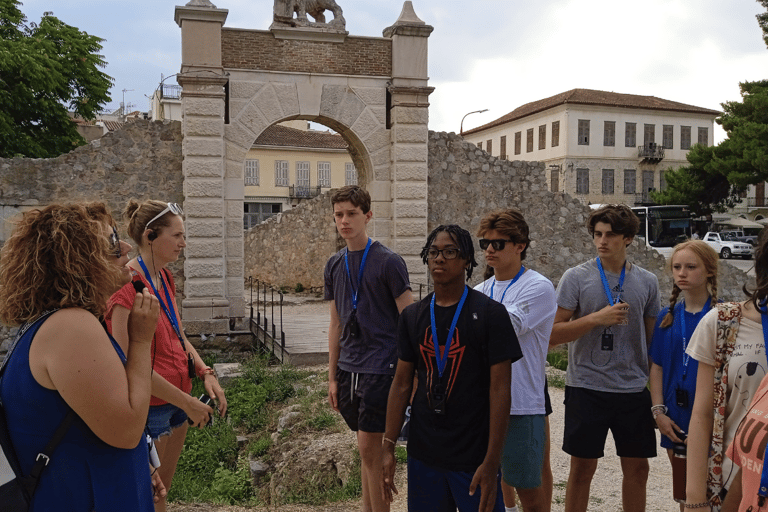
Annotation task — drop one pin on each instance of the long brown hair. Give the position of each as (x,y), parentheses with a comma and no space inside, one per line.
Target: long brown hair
(708,258)
(57,257)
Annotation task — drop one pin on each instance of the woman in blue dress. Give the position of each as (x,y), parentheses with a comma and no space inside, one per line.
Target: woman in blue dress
(69,260)
(673,372)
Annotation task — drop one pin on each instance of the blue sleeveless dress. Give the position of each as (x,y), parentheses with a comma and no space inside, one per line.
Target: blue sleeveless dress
(85,473)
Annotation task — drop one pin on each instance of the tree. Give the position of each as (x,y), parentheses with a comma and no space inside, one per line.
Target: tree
(45,70)
(762,20)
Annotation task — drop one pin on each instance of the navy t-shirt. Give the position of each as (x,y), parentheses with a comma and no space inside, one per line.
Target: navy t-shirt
(385,278)
(484,336)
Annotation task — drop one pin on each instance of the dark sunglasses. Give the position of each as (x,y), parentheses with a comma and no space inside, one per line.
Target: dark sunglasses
(498,245)
(114,243)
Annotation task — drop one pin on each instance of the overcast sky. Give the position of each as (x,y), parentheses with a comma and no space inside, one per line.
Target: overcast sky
(494,54)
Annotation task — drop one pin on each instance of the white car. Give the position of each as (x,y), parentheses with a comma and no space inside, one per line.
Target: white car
(728,248)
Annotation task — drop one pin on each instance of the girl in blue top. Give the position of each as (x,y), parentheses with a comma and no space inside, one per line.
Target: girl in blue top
(673,372)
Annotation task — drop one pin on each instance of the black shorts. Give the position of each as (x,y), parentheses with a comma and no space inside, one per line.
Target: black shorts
(362,399)
(547,400)
(590,414)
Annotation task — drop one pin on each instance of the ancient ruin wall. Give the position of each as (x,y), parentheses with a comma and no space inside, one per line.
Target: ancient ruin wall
(464,183)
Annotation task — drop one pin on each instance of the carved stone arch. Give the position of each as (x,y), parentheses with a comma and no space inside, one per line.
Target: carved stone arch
(236,83)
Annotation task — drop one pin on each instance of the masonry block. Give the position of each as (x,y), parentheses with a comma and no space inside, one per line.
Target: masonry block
(330,101)
(234,169)
(236,152)
(412,210)
(411,172)
(410,115)
(234,209)
(203,126)
(199,187)
(234,227)
(410,133)
(409,247)
(204,208)
(380,113)
(252,118)
(192,106)
(204,248)
(195,288)
(382,228)
(235,267)
(382,173)
(244,90)
(381,209)
(235,286)
(236,107)
(414,228)
(204,228)
(239,134)
(235,248)
(410,153)
(351,109)
(410,191)
(201,268)
(269,104)
(196,146)
(202,167)
(371,95)
(288,96)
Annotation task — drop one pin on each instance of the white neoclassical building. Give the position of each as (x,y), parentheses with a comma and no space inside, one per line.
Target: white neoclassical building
(601,147)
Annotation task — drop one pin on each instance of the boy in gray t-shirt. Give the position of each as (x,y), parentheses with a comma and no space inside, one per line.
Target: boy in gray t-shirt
(606,310)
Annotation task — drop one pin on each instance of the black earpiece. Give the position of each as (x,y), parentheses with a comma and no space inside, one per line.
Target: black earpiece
(152,235)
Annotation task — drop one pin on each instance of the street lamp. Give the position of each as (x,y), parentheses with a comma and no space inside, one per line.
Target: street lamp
(461,128)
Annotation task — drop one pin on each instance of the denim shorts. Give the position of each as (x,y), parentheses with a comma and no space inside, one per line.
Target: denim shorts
(163,419)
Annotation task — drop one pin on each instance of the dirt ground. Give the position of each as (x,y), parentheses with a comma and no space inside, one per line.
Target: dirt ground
(605,490)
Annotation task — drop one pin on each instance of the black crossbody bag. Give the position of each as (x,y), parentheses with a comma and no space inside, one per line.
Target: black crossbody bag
(17,489)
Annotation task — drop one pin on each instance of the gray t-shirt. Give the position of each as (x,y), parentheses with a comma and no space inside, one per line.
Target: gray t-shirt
(385,277)
(625,368)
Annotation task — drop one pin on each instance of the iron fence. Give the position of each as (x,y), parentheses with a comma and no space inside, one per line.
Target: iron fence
(264,326)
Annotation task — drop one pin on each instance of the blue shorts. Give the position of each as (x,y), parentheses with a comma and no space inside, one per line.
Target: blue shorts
(438,490)
(523,455)
(163,419)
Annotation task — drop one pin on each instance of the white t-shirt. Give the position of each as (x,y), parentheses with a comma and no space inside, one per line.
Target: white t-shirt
(531,305)
(746,369)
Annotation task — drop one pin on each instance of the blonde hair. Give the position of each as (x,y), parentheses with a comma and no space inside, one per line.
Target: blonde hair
(139,214)
(57,257)
(708,257)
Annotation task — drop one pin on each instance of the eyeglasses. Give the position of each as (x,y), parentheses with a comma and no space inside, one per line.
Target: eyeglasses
(114,243)
(172,207)
(498,244)
(449,253)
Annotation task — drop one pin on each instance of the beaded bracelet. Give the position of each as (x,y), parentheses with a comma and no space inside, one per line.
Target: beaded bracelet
(697,505)
(205,371)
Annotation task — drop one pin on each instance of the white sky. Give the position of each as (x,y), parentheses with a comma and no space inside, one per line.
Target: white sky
(495,54)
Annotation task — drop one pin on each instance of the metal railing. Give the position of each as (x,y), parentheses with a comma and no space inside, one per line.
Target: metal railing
(302,192)
(651,152)
(262,325)
(170,91)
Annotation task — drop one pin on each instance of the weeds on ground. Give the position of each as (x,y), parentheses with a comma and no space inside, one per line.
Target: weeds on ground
(319,488)
(558,359)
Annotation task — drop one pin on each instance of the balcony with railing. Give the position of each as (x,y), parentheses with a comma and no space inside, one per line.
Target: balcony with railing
(170,91)
(651,153)
(303,192)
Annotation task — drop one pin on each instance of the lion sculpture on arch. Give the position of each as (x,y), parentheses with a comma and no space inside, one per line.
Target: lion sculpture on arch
(285,9)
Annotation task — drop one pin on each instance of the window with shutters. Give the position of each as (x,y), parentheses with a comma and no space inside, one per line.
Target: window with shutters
(609,133)
(281,173)
(518,142)
(608,182)
(529,140)
(647,181)
(555,133)
(480,145)
(582,181)
(489,146)
(667,132)
(583,132)
(252,173)
(704,136)
(630,181)
(630,135)
(503,147)
(302,175)
(662,180)
(554,178)
(685,137)
(543,136)
(324,174)
(649,134)
(350,174)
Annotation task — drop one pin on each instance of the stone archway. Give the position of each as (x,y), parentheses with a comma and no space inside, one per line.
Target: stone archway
(235,83)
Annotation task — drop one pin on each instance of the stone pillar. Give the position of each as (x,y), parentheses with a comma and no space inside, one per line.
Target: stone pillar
(214,253)
(409,115)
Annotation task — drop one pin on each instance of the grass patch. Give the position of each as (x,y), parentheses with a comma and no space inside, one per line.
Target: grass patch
(318,488)
(558,359)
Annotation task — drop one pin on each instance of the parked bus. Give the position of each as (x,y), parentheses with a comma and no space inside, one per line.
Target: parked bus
(663,227)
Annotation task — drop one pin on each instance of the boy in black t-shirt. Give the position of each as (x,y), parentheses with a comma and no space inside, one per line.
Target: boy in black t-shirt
(460,410)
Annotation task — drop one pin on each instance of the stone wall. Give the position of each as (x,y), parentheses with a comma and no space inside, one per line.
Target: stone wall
(464,184)
(293,246)
(260,50)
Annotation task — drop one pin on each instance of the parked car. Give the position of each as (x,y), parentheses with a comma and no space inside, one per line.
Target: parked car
(728,248)
(738,235)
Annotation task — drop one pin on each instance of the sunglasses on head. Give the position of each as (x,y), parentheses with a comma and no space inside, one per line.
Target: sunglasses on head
(498,244)
(114,242)
(172,207)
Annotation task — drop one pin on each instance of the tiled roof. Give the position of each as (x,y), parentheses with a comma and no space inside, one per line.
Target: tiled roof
(592,97)
(278,135)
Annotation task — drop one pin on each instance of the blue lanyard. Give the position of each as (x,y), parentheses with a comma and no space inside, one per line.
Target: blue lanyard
(607,288)
(681,321)
(170,314)
(514,280)
(359,274)
(442,360)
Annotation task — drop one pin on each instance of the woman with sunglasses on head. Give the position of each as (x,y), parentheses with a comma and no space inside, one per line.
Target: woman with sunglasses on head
(57,271)
(673,372)
(158,230)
